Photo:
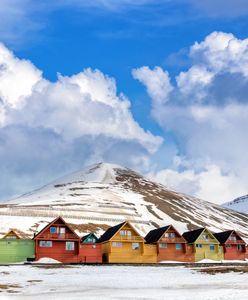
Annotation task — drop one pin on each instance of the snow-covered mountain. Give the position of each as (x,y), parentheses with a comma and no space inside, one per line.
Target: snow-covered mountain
(104,195)
(239,204)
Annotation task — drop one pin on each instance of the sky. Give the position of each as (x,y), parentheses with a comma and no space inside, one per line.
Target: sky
(159,86)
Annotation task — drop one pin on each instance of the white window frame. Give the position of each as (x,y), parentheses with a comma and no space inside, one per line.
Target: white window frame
(69,246)
(45,244)
(135,246)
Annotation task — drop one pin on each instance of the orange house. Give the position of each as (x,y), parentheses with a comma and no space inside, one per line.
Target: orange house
(123,244)
(171,246)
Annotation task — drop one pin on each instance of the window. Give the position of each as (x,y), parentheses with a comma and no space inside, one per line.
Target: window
(135,246)
(178,246)
(211,247)
(163,246)
(62,230)
(205,236)
(53,229)
(125,232)
(198,245)
(11,237)
(122,232)
(239,247)
(166,235)
(46,244)
(172,235)
(117,244)
(70,246)
(228,246)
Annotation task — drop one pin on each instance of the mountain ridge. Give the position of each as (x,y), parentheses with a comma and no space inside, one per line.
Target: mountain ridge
(104,195)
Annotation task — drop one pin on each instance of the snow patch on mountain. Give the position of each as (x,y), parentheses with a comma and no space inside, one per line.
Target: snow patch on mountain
(239,204)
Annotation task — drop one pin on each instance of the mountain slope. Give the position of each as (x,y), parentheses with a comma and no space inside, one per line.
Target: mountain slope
(105,194)
(239,204)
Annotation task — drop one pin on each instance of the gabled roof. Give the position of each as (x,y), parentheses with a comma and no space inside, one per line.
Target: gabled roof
(18,233)
(113,230)
(53,222)
(109,233)
(192,236)
(84,238)
(154,235)
(222,237)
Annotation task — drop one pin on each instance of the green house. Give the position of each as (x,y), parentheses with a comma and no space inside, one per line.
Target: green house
(205,245)
(14,248)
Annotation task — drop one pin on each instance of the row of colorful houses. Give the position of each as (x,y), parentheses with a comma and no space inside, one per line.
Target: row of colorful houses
(121,244)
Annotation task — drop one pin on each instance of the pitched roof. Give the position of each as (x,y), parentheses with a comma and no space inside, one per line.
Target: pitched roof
(110,233)
(51,223)
(192,236)
(154,235)
(222,237)
(18,233)
(84,238)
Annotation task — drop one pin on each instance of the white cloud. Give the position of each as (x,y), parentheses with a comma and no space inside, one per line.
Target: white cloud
(17,78)
(156,81)
(79,118)
(207,114)
(209,184)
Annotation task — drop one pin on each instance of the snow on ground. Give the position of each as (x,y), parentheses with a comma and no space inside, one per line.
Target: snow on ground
(119,282)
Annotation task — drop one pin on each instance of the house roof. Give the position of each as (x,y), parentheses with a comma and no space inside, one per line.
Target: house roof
(154,235)
(109,233)
(192,236)
(51,223)
(18,233)
(84,238)
(222,237)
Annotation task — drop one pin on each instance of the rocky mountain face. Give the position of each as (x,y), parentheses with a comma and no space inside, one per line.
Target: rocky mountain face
(239,204)
(104,195)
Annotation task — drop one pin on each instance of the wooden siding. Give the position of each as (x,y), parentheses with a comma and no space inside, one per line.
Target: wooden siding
(205,250)
(16,250)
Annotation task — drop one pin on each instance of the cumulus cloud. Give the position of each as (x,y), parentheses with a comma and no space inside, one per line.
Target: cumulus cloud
(67,123)
(157,82)
(208,116)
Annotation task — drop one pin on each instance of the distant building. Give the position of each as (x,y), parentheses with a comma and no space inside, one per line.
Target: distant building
(123,244)
(171,246)
(205,245)
(16,247)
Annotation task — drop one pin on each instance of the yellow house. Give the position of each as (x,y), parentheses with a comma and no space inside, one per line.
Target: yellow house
(205,245)
(123,244)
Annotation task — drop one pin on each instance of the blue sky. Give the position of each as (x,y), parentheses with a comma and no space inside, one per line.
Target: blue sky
(155,131)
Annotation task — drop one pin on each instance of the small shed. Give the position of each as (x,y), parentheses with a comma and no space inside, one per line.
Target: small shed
(90,251)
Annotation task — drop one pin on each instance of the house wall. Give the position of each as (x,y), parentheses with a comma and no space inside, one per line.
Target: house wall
(90,253)
(170,253)
(58,251)
(18,250)
(233,253)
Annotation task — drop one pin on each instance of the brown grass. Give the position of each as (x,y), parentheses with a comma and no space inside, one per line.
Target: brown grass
(222,270)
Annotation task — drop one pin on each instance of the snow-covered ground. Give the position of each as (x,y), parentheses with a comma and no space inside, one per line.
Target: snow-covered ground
(119,282)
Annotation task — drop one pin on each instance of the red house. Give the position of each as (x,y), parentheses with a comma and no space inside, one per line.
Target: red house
(171,246)
(233,245)
(90,251)
(58,241)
